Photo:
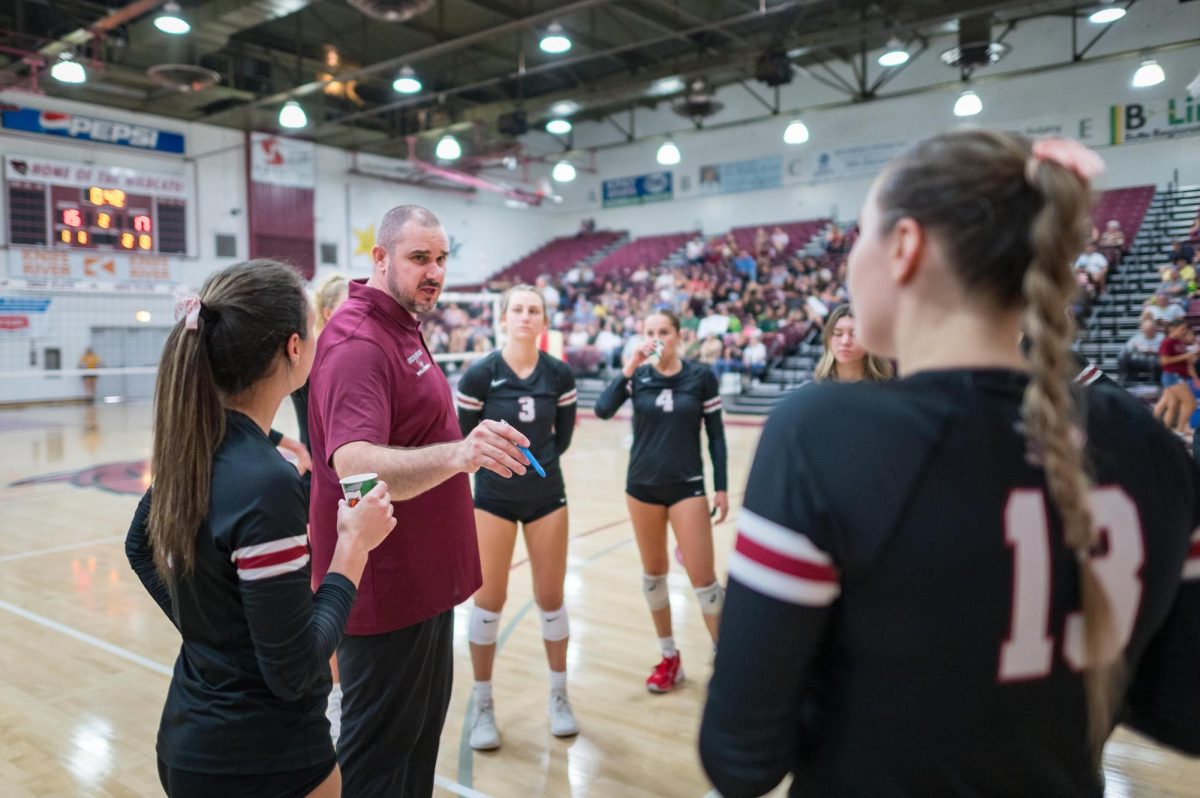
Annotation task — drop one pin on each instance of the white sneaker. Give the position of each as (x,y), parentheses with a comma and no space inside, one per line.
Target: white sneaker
(484,734)
(562,719)
(333,711)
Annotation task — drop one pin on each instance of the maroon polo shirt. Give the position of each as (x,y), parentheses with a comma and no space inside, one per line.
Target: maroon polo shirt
(374,380)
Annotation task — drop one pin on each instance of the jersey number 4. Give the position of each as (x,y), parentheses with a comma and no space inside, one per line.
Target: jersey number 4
(666,400)
(1029,651)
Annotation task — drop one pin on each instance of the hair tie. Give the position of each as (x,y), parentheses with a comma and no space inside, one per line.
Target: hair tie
(1067,153)
(187,307)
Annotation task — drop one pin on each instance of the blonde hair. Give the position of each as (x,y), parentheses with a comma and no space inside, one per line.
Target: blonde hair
(517,288)
(325,296)
(1011,225)
(875,368)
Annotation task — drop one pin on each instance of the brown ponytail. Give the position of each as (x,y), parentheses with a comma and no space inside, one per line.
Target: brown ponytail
(1011,224)
(1052,416)
(248,312)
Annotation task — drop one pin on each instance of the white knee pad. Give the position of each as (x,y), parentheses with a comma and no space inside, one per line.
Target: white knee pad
(555,625)
(485,626)
(712,598)
(654,588)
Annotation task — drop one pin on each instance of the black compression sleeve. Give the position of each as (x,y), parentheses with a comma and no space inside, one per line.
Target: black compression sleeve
(714,426)
(331,609)
(564,427)
(615,394)
(141,558)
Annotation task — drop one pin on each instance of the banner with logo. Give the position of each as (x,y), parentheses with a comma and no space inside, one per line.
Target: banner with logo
(1154,120)
(736,176)
(638,190)
(92,129)
(74,266)
(82,175)
(843,163)
(280,161)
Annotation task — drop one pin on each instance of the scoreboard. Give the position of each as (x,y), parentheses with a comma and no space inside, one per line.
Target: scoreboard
(60,204)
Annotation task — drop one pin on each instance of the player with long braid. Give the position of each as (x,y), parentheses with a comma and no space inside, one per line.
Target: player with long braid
(958,582)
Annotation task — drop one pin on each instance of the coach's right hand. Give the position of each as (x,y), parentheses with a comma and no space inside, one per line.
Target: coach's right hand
(493,446)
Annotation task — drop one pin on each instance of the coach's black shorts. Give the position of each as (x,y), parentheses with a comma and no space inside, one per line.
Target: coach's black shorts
(665,495)
(289,784)
(523,499)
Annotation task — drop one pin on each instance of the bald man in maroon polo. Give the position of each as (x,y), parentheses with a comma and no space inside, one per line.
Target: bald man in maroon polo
(378,403)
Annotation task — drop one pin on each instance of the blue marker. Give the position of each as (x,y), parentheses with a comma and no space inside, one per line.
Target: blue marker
(529,456)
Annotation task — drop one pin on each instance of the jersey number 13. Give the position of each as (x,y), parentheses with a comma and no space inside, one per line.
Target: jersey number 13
(1029,651)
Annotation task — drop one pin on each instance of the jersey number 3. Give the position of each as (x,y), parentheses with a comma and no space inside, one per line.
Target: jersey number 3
(1029,651)
(528,411)
(666,400)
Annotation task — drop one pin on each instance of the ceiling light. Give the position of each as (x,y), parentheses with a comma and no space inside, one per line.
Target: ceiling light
(555,41)
(666,86)
(564,108)
(1148,74)
(448,149)
(291,115)
(563,172)
(559,127)
(895,55)
(406,81)
(796,133)
(1106,15)
(67,70)
(170,21)
(668,154)
(968,104)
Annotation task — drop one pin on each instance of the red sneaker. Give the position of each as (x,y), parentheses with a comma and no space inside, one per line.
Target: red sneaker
(666,676)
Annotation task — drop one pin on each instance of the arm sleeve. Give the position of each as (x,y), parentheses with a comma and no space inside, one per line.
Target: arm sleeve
(356,391)
(469,398)
(141,558)
(564,419)
(783,583)
(714,426)
(610,401)
(294,630)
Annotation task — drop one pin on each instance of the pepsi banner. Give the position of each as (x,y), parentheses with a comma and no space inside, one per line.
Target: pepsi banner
(88,128)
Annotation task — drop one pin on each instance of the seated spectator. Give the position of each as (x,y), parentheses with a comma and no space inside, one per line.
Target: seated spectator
(1178,360)
(710,350)
(779,241)
(1182,249)
(1140,355)
(1113,236)
(1095,264)
(730,361)
(549,293)
(718,323)
(1162,310)
(1193,232)
(835,241)
(761,241)
(754,357)
(640,275)
(1173,285)
(745,265)
(695,250)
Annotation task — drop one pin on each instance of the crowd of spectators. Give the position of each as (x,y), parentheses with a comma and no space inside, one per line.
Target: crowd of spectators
(739,305)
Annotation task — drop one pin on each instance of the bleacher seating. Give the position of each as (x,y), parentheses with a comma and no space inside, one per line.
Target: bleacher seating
(558,255)
(648,250)
(798,233)
(1127,205)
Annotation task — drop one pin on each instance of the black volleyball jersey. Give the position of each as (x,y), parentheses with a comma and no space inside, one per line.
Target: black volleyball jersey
(249,688)
(542,407)
(667,415)
(903,617)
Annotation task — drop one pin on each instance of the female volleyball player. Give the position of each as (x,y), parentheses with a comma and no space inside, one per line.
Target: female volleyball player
(845,359)
(672,399)
(965,610)
(220,543)
(535,393)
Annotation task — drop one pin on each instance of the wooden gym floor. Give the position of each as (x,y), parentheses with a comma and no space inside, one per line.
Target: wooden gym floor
(87,656)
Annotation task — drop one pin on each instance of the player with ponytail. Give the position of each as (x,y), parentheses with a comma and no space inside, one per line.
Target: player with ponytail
(967,609)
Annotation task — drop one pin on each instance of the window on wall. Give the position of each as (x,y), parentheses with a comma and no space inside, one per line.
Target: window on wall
(328,254)
(226,245)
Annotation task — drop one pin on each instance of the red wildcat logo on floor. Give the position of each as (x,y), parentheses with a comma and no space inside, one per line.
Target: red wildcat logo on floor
(126,479)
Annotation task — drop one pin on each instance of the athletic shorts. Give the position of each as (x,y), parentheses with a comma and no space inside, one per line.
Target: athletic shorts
(289,784)
(666,495)
(522,500)
(1169,379)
